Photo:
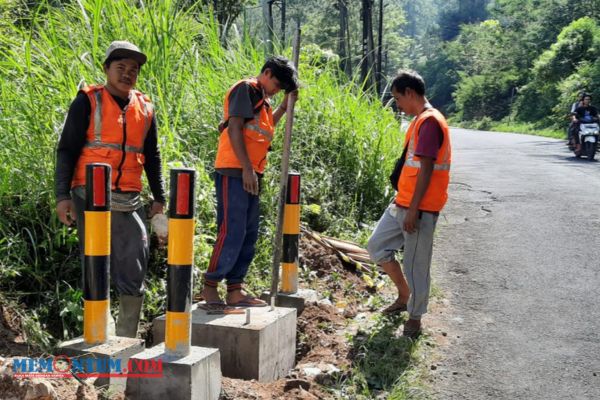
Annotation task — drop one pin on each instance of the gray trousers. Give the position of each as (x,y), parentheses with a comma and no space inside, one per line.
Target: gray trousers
(389,237)
(129,248)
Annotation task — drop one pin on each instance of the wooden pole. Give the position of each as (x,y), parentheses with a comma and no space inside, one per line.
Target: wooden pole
(283,180)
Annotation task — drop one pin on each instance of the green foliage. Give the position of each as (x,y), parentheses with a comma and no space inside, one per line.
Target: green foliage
(479,96)
(344,142)
(485,80)
(576,43)
(541,53)
(383,363)
(556,72)
(462,12)
(320,25)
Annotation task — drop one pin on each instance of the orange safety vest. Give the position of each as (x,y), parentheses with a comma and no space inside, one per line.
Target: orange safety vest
(437,192)
(258,135)
(116,137)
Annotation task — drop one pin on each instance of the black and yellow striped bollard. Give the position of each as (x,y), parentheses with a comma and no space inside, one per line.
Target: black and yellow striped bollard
(96,268)
(291,234)
(180,261)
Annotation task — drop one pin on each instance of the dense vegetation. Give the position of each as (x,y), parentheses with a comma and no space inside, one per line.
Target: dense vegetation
(517,61)
(343,146)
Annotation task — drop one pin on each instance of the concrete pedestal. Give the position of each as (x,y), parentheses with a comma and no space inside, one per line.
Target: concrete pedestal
(117,349)
(196,376)
(263,350)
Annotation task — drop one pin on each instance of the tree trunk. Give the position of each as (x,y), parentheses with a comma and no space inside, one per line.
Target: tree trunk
(342,43)
(267,7)
(348,65)
(283,22)
(380,50)
(365,65)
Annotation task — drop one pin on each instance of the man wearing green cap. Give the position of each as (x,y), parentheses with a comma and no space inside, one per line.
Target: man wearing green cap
(114,124)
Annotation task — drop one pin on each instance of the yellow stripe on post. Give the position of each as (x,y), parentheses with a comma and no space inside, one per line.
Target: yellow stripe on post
(97,233)
(177,329)
(291,219)
(94,321)
(289,281)
(181,242)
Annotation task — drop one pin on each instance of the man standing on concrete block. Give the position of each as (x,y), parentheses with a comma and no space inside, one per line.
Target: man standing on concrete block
(246,134)
(422,190)
(114,124)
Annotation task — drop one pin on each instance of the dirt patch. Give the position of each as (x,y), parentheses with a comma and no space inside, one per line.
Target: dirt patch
(281,389)
(41,389)
(13,344)
(323,352)
(13,340)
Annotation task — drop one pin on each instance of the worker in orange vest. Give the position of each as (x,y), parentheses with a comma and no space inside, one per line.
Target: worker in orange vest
(246,135)
(422,190)
(114,124)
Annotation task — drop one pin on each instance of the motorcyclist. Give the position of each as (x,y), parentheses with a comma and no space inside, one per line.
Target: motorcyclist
(573,126)
(584,114)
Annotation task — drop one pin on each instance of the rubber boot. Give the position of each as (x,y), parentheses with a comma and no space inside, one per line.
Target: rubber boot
(110,322)
(130,308)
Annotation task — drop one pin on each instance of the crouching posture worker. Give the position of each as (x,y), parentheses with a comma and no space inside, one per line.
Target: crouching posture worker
(114,124)
(246,134)
(409,222)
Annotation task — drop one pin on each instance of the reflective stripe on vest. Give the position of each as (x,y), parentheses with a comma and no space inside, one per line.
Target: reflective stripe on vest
(97,143)
(253,125)
(116,146)
(98,117)
(257,133)
(436,193)
(444,165)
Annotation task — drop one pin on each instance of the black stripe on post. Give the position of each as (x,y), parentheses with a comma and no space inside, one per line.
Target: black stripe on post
(183,193)
(96,283)
(97,187)
(290,249)
(179,288)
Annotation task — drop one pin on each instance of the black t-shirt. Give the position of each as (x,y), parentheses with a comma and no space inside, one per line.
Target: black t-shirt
(73,138)
(586,114)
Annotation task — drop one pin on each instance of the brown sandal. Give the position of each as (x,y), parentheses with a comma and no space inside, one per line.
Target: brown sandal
(249,301)
(412,329)
(394,308)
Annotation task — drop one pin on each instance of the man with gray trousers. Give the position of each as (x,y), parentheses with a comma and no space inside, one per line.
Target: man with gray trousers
(421,181)
(115,124)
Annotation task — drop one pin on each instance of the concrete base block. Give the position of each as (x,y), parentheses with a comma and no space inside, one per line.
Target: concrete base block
(293,300)
(264,349)
(117,348)
(196,376)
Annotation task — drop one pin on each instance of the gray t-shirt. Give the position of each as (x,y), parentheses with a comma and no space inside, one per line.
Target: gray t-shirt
(242,100)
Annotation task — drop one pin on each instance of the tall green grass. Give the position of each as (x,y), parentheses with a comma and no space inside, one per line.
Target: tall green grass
(344,142)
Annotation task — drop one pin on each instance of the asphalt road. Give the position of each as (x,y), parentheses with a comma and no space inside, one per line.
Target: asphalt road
(516,254)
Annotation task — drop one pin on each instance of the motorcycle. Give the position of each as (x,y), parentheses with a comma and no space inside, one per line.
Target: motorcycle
(589,134)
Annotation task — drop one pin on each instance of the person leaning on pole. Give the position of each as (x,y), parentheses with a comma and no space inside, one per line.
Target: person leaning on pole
(246,134)
(114,124)
(409,222)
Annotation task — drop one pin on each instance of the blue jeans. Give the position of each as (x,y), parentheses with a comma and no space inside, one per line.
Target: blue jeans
(237,222)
